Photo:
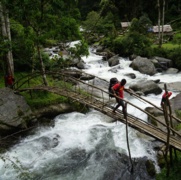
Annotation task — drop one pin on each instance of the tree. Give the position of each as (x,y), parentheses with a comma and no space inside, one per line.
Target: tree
(161,18)
(79,49)
(45,19)
(6,55)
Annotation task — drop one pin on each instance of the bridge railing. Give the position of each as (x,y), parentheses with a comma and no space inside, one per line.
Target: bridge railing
(89,87)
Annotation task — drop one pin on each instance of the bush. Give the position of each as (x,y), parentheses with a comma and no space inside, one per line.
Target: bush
(132,43)
(175,55)
(174,170)
(177,39)
(157,51)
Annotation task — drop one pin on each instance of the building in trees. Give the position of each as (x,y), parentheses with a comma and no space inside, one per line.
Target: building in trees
(125,25)
(167,29)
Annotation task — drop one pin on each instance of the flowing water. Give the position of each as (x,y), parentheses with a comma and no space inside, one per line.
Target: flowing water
(82,146)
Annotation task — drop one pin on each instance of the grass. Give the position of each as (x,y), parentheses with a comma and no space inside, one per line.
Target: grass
(174,170)
(1,80)
(168,46)
(38,99)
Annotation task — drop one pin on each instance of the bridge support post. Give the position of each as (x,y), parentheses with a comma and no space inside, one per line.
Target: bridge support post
(127,138)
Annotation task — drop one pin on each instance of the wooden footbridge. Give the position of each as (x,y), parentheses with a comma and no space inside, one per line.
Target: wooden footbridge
(92,91)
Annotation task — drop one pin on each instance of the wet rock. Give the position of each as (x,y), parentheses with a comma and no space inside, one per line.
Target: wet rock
(131,75)
(15,113)
(115,69)
(113,61)
(143,65)
(119,166)
(53,110)
(161,63)
(171,71)
(147,87)
(176,102)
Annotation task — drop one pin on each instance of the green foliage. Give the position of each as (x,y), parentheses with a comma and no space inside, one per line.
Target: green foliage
(169,46)
(22,46)
(157,51)
(145,23)
(175,55)
(134,25)
(178,127)
(140,25)
(96,24)
(2,84)
(39,99)
(80,49)
(178,113)
(33,23)
(119,46)
(108,42)
(174,170)
(132,43)
(5,45)
(108,27)
(36,64)
(177,38)
(92,21)
(68,29)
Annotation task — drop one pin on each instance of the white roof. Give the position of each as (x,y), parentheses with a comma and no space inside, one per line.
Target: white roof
(125,24)
(166,28)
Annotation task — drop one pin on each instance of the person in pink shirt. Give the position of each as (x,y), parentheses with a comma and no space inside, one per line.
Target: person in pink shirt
(164,98)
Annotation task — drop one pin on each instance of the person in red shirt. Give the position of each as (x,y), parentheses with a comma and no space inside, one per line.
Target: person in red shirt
(118,91)
(9,81)
(164,98)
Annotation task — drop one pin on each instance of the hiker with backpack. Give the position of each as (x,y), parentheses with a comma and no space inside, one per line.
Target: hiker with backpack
(118,92)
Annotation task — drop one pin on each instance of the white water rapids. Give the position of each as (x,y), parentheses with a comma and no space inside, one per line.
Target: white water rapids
(66,150)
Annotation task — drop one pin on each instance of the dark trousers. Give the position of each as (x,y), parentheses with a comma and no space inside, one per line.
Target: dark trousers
(120,103)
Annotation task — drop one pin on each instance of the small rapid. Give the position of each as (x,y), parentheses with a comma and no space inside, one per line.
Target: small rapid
(69,149)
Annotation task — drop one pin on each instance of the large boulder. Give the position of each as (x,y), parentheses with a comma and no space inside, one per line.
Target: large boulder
(147,87)
(162,63)
(113,61)
(143,65)
(171,71)
(176,102)
(49,112)
(15,113)
(173,86)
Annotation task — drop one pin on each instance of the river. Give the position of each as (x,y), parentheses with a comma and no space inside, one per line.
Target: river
(83,146)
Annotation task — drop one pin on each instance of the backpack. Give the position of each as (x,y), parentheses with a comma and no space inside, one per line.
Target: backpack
(112,82)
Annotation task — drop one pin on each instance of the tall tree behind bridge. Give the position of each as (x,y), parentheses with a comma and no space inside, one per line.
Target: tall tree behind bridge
(6,52)
(161,18)
(43,20)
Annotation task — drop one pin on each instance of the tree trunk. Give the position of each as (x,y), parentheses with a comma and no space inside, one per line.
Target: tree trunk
(168,132)
(159,17)
(6,34)
(127,140)
(163,19)
(42,66)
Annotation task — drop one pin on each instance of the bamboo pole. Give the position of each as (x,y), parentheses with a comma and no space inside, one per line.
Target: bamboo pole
(168,130)
(127,139)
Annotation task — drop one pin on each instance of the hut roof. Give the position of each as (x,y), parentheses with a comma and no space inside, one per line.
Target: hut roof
(125,24)
(166,28)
